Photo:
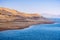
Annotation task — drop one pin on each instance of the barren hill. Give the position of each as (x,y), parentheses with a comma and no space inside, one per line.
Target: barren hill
(12,19)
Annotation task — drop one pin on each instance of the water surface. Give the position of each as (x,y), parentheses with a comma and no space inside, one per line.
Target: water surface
(34,32)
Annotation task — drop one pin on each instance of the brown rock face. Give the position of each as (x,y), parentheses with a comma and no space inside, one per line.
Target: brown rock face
(12,19)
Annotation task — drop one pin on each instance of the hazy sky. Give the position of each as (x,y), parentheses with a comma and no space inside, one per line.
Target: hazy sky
(48,8)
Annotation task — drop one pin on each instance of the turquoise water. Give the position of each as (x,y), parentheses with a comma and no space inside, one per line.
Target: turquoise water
(34,32)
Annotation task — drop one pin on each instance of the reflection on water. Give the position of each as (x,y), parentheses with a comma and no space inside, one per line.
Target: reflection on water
(35,32)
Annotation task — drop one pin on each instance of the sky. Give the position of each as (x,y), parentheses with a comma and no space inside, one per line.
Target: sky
(47,8)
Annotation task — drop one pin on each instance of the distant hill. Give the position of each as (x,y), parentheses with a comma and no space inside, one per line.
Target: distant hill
(57,20)
(12,19)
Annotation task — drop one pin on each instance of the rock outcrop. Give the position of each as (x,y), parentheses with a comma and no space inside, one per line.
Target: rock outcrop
(12,19)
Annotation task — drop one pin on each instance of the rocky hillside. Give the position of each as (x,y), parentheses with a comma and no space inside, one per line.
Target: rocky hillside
(12,19)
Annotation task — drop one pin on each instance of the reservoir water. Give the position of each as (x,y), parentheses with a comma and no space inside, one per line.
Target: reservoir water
(34,32)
